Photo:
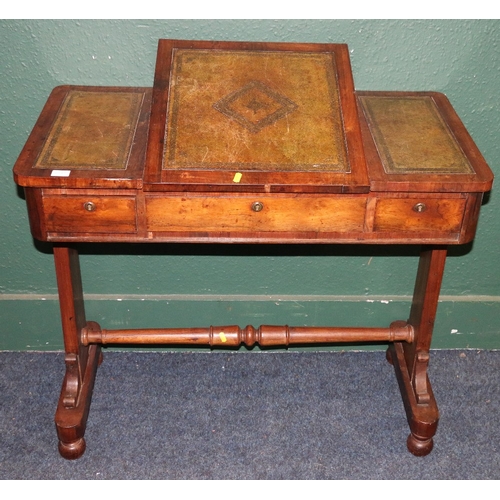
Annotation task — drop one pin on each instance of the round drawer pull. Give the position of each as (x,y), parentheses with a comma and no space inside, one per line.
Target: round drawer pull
(420,207)
(89,206)
(257,206)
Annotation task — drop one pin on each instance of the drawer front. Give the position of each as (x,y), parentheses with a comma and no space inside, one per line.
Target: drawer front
(419,214)
(256,213)
(90,214)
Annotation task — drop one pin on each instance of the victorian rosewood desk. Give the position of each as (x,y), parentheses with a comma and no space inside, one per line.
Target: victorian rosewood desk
(250,143)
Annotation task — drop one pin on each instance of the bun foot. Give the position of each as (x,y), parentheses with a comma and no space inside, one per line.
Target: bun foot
(74,450)
(419,447)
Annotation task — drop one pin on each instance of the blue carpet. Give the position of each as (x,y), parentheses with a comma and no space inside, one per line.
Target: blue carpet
(259,415)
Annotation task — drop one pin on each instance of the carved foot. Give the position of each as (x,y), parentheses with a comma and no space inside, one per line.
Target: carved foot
(71,420)
(419,447)
(422,417)
(73,450)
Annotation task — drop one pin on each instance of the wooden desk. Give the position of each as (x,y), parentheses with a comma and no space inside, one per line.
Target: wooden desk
(251,143)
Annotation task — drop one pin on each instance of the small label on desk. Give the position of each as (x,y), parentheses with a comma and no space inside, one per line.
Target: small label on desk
(237,177)
(60,173)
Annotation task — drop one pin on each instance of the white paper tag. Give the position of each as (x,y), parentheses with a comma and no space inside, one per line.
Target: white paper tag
(60,173)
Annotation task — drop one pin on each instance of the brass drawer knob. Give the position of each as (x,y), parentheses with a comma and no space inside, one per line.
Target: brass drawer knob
(89,206)
(257,206)
(420,207)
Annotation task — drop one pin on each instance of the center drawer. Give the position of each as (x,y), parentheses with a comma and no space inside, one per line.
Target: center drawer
(242,213)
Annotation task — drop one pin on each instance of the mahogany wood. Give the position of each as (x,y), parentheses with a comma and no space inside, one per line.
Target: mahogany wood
(411,359)
(405,171)
(81,361)
(234,336)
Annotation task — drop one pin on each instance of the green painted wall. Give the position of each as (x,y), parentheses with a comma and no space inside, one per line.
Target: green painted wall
(247,284)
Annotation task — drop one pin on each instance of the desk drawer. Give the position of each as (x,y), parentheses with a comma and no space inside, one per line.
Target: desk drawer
(256,213)
(419,214)
(90,214)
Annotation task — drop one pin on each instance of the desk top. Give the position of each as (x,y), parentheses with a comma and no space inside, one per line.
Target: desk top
(97,137)
(278,114)
(251,142)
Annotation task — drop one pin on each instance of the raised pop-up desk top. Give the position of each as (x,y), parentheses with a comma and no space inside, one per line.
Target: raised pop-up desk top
(251,143)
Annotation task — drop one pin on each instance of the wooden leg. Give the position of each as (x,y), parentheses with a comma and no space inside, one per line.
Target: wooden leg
(410,360)
(81,361)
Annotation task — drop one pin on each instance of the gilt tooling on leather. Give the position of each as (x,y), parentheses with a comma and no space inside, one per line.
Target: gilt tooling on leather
(254,110)
(419,141)
(93,131)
